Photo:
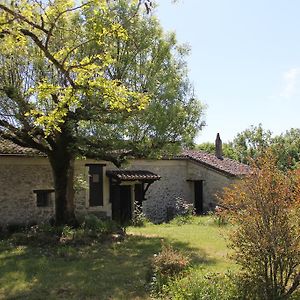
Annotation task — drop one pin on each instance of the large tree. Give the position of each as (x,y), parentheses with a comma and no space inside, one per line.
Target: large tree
(98,79)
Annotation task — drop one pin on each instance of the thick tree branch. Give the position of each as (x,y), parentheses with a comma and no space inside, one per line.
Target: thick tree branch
(47,53)
(23,139)
(21,17)
(295,285)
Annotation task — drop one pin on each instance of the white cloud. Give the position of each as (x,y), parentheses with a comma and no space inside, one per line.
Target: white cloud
(291,81)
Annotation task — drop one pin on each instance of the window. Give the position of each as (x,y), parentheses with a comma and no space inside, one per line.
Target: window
(43,197)
(95,184)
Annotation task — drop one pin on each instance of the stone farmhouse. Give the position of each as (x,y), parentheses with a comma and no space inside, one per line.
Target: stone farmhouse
(27,194)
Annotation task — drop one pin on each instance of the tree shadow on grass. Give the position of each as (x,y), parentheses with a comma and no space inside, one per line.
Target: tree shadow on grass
(101,271)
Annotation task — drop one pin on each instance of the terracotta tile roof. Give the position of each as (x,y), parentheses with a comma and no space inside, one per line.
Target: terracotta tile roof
(9,148)
(228,166)
(225,165)
(132,175)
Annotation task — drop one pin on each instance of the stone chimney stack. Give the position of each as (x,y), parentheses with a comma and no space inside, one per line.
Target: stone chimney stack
(218,150)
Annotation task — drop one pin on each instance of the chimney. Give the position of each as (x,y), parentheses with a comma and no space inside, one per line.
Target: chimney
(218,150)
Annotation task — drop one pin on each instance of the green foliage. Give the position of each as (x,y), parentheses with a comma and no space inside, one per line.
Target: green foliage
(67,252)
(68,233)
(198,286)
(165,265)
(75,60)
(44,234)
(80,183)
(152,62)
(182,219)
(254,141)
(115,61)
(179,211)
(139,219)
(218,217)
(265,208)
(251,143)
(183,212)
(228,150)
(287,148)
(96,226)
(94,78)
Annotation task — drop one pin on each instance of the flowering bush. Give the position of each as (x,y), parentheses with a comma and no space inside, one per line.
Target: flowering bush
(165,265)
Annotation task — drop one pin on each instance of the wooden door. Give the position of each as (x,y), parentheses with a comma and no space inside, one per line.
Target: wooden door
(198,192)
(120,197)
(126,203)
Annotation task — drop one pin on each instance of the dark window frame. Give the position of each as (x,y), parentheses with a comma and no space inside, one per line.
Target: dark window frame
(43,197)
(96,184)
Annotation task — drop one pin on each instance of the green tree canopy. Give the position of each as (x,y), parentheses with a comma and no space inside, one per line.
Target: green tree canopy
(98,78)
(254,142)
(228,151)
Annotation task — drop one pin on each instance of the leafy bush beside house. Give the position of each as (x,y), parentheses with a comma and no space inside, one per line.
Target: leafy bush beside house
(265,209)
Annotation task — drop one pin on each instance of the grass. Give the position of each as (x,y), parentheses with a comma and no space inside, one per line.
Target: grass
(203,240)
(106,270)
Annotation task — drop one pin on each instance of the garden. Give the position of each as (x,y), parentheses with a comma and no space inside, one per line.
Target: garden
(33,265)
(247,249)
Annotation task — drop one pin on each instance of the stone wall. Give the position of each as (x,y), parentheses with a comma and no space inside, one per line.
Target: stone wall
(213,183)
(176,181)
(20,176)
(162,194)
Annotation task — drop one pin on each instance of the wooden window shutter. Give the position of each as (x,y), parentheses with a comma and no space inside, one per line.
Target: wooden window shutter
(96,185)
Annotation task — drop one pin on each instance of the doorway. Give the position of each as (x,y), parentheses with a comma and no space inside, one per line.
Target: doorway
(121,203)
(198,196)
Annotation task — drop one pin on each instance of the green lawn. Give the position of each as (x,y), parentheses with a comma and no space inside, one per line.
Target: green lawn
(110,270)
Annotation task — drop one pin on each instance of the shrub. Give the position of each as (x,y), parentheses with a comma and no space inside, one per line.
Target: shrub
(195,286)
(139,219)
(67,234)
(265,208)
(45,234)
(219,218)
(166,210)
(182,208)
(42,234)
(96,226)
(179,210)
(167,264)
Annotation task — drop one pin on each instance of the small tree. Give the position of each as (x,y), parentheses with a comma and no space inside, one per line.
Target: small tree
(266,209)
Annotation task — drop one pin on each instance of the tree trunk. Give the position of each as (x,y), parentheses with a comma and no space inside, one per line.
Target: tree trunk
(62,164)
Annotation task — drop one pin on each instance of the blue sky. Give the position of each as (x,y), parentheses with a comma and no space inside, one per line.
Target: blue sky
(244,61)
